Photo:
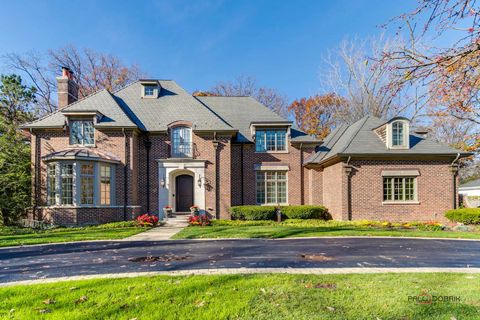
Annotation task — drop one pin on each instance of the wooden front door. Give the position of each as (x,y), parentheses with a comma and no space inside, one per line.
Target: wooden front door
(184,192)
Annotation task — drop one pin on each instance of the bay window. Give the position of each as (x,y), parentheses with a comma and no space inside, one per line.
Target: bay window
(271,187)
(67,184)
(86,184)
(270,140)
(52,183)
(80,183)
(105,184)
(82,132)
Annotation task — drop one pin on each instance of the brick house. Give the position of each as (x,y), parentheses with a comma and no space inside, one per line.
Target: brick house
(114,155)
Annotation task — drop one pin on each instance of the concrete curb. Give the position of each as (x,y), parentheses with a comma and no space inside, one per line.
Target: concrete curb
(227,271)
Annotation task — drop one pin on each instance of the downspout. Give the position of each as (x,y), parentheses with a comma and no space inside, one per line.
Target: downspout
(302,187)
(125,178)
(35,178)
(241,173)
(148,145)
(454,170)
(217,177)
(348,170)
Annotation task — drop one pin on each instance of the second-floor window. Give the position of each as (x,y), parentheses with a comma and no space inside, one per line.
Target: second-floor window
(270,140)
(82,132)
(181,142)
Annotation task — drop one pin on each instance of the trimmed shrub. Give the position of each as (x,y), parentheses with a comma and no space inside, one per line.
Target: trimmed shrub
(465,215)
(306,212)
(253,213)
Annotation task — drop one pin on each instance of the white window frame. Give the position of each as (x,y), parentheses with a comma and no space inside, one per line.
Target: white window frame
(177,145)
(82,129)
(263,131)
(391,182)
(265,181)
(405,135)
(77,184)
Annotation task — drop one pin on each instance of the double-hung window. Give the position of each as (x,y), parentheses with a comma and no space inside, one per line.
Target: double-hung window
(66,175)
(271,187)
(80,183)
(52,183)
(87,176)
(82,132)
(399,189)
(181,142)
(270,140)
(105,184)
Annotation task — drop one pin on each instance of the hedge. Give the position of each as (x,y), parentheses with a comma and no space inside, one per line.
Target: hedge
(465,215)
(253,212)
(269,212)
(306,212)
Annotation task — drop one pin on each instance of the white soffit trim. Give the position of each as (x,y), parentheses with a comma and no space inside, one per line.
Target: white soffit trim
(271,167)
(400,173)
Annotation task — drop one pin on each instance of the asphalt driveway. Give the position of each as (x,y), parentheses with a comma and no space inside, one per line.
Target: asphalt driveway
(89,258)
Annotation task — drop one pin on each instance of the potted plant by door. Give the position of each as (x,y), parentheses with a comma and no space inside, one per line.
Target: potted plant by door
(167,210)
(194,210)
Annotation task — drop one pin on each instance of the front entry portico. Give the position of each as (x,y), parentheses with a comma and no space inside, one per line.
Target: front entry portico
(179,186)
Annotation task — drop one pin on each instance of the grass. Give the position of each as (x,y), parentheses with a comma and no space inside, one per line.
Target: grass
(354,296)
(317,228)
(14,236)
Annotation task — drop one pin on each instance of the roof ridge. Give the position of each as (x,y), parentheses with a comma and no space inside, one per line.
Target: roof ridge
(216,115)
(356,133)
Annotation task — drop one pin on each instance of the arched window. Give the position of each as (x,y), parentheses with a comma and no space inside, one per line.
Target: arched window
(398,134)
(181,142)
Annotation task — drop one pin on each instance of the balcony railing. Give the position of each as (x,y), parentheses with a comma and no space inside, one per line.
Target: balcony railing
(182,150)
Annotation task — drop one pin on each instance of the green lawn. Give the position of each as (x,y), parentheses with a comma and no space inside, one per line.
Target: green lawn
(14,236)
(316,228)
(355,296)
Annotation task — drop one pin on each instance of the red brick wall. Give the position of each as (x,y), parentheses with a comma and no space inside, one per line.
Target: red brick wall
(106,141)
(434,185)
(334,190)
(250,158)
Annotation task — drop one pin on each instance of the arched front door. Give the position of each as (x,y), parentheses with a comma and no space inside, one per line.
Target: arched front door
(183,192)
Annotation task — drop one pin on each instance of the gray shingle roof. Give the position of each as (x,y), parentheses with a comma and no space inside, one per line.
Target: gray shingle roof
(173,104)
(101,101)
(360,139)
(240,112)
(471,184)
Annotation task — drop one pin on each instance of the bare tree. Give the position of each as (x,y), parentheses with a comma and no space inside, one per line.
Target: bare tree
(450,74)
(248,86)
(353,72)
(92,71)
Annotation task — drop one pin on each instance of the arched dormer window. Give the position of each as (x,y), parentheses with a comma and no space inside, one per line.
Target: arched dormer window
(398,133)
(181,142)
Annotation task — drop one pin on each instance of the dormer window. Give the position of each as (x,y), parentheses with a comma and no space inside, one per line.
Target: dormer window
(149,91)
(397,133)
(150,88)
(271,140)
(82,132)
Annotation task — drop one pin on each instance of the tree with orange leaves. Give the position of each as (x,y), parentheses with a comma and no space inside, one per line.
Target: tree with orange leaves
(315,114)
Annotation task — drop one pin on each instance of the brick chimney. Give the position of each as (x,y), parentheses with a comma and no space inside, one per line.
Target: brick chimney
(67,88)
